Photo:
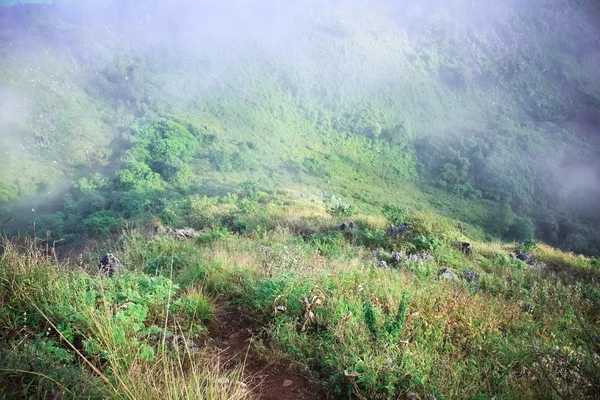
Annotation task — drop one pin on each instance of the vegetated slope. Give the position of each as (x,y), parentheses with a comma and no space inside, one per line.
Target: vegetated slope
(362,312)
(480,106)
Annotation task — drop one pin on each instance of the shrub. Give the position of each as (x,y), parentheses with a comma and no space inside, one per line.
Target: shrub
(527,246)
(338,208)
(396,215)
(103,223)
(162,264)
(426,243)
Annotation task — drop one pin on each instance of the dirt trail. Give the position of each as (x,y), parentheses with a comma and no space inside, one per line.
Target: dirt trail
(233,333)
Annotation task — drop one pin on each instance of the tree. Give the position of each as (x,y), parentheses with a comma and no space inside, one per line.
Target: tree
(522,229)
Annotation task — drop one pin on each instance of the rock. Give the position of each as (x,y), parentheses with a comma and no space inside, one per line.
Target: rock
(420,257)
(383,264)
(347,226)
(524,256)
(536,264)
(465,247)
(411,395)
(186,233)
(447,273)
(471,276)
(397,257)
(394,230)
(109,264)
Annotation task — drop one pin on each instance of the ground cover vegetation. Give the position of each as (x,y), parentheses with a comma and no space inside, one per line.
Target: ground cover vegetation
(358,178)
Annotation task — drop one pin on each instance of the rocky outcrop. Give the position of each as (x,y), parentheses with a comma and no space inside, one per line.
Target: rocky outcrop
(528,259)
(465,247)
(186,233)
(109,264)
(523,256)
(395,231)
(399,258)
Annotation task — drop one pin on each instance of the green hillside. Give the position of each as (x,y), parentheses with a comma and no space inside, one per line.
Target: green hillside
(266,125)
(368,99)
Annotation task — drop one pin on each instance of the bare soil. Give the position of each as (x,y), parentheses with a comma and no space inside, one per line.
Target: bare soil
(233,333)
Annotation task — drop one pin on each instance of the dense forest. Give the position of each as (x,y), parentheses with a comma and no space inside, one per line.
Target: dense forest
(267,125)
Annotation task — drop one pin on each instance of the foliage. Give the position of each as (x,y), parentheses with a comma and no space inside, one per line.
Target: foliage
(426,243)
(527,246)
(396,215)
(338,208)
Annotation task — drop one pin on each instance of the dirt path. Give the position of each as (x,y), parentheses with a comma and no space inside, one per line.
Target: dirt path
(233,333)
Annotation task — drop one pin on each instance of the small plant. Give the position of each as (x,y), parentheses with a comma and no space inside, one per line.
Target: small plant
(338,208)
(527,246)
(369,316)
(426,243)
(196,305)
(395,215)
(395,326)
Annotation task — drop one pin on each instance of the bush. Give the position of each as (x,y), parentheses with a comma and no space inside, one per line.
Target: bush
(338,208)
(103,222)
(426,243)
(396,215)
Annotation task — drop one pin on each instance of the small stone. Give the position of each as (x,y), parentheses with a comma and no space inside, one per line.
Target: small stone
(287,382)
(471,276)
(447,273)
(397,257)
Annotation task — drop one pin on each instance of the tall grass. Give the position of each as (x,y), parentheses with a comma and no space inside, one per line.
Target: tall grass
(70,334)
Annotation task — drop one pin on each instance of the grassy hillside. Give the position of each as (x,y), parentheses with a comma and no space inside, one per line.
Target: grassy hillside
(305,298)
(265,126)
(480,107)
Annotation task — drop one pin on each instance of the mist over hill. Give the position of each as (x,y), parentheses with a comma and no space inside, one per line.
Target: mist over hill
(488,112)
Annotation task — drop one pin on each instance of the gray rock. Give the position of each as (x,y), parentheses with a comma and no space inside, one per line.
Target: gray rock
(465,247)
(109,264)
(471,276)
(383,264)
(397,257)
(420,257)
(447,273)
(394,230)
(186,233)
(524,256)
(536,265)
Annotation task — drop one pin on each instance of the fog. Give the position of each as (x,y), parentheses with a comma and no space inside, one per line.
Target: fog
(430,66)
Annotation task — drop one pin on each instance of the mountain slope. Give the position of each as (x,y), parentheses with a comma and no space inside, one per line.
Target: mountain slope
(368,99)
